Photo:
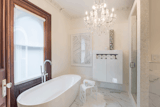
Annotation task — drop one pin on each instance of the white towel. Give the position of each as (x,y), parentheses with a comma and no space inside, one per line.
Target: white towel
(91,83)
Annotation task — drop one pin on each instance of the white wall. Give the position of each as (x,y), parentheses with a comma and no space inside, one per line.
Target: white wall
(154,33)
(154,49)
(154,27)
(60,38)
(101,42)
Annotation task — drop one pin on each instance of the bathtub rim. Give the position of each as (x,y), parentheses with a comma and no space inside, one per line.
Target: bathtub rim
(18,98)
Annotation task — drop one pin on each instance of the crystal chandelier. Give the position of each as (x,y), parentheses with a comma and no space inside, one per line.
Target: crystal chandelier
(100,19)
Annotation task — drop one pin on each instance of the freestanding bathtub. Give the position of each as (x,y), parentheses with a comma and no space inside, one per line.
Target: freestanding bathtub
(58,92)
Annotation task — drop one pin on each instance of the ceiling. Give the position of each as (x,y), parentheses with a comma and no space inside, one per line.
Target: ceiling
(77,8)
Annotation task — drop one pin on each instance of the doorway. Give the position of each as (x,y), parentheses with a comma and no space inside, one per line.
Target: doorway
(16,49)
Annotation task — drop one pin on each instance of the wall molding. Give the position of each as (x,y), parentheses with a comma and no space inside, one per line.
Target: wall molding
(58,7)
(117,9)
(61,9)
(120,87)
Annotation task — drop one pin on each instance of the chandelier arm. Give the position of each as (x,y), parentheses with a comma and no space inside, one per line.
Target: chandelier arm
(99,18)
(109,21)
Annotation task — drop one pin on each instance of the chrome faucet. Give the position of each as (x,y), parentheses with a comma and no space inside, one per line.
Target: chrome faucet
(45,73)
(41,74)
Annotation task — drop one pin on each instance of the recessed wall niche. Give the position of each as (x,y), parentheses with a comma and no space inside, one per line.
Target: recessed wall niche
(111,39)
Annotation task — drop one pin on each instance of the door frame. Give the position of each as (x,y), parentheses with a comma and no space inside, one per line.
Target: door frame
(10,4)
(2,50)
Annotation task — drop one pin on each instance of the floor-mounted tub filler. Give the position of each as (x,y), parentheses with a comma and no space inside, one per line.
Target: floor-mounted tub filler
(58,92)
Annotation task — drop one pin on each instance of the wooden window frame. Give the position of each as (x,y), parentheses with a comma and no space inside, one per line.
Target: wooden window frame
(2,50)
(2,36)
(10,4)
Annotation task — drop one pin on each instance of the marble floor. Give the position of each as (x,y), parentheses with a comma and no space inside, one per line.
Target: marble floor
(154,88)
(105,98)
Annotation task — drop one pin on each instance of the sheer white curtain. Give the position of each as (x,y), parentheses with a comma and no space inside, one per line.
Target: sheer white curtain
(28,45)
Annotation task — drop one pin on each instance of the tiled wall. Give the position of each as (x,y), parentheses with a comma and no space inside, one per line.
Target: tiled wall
(142,53)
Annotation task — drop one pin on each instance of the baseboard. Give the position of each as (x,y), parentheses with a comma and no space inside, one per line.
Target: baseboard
(120,87)
(132,100)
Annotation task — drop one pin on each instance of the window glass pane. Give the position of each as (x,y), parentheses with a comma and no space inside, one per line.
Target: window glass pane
(28,46)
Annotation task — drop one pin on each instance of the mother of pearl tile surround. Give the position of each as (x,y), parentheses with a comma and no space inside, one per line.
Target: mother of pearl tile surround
(143,53)
(106,98)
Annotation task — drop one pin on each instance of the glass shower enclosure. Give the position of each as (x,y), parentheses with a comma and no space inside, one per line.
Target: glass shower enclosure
(133,63)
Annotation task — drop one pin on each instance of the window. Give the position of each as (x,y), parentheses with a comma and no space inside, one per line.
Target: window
(81,45)
(28,46)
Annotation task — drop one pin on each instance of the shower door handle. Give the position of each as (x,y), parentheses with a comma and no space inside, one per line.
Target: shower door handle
(132,65)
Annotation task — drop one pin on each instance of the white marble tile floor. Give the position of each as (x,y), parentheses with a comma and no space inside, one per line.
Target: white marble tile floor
(106,98)
(154,89)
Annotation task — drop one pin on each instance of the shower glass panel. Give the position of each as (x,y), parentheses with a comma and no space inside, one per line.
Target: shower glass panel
(28,46)
(134,57)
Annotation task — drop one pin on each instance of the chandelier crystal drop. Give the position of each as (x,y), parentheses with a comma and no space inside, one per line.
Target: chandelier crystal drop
(100,19)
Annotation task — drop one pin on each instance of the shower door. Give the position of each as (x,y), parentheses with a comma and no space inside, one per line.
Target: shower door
(133,63)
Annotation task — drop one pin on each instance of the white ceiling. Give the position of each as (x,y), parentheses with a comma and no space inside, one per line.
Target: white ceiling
(77,8)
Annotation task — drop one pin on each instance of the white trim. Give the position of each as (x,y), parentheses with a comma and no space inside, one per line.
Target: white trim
(58,7)
(20,8)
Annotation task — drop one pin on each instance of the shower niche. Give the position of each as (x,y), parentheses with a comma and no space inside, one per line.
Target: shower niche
(108,66)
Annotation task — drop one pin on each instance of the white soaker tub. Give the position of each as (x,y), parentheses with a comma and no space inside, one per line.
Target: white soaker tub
(58,92)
